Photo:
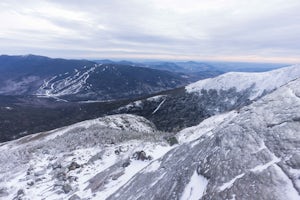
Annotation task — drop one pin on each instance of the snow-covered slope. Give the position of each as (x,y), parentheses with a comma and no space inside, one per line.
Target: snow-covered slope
(251,153)
(92,159)
(257,83)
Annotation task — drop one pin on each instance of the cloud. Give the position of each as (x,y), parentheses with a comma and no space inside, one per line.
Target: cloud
(161,29)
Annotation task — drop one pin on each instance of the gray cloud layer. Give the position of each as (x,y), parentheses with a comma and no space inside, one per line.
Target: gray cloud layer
(254,30)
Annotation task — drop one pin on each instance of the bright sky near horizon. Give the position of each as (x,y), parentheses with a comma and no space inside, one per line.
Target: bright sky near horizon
(232,30)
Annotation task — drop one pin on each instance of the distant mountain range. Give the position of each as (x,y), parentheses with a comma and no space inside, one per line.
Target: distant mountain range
(79,80)
(195,68)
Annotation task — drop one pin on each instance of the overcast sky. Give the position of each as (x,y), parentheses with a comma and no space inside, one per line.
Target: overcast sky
(253,30)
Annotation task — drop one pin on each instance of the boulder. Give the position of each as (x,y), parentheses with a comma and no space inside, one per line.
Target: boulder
(67,188)
(3,192)
(141,155)
(30,183)
(40,172)
(172,140)
(61,176)
(71,179)
(56,165)
(126,164)
(73,166)
(117,151)
(20,192)
(74,197)
(19,195)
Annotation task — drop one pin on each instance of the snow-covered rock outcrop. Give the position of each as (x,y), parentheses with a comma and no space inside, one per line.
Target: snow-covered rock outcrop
(91,158)
(252,153)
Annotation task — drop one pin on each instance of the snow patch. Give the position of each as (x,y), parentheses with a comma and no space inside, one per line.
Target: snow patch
(158,107)
(195,189)
(156,98)
(260,168)
(153,166)
(230,183)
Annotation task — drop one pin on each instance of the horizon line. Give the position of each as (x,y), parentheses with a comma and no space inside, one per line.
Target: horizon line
(166,59)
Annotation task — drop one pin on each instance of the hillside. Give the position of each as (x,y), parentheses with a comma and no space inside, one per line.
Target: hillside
(188,106)
(125,157)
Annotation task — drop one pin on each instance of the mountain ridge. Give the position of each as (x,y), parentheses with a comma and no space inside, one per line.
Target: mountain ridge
(81,79)
(261,82)
(196,102)
(256,144)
